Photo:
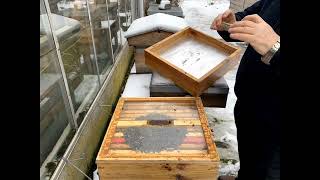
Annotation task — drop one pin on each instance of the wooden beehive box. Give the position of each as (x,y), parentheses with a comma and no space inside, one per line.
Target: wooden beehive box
(192,59)
(139,60)
(158,138)
(142,41)
(148,39)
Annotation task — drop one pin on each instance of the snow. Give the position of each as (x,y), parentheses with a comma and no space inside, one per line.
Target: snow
(58,22)
(160,80)
(155,22)
(137,86)
(95,175)
(230,169)
(194,57)
(133,69)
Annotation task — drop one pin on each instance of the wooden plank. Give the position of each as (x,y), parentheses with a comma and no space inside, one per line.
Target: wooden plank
(146,119)
(191,129)
(131,123)
(159,171)
(192,134)
(150,107)
(160,100)
(173,115)
(119,146)
(193,146)
(186,122)
(193,111)
(139,60)
(145,122)
(174,152)
(212,150)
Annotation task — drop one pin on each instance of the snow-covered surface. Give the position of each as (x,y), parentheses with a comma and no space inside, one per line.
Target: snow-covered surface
(194,57)
(133,69)
(106,24)
(160,80)
(155,22)
(199,14)
(95,175)
(230,169)
(137,86)
(59,23)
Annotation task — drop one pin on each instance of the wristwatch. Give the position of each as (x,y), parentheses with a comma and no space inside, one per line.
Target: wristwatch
(268,56)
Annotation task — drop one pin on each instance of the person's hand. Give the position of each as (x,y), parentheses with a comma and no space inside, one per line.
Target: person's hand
(255,31)
(228,17)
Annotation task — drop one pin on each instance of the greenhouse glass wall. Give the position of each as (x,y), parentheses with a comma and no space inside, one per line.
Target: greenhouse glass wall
(79,43)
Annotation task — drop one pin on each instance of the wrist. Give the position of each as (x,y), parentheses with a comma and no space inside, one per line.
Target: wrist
(271,44)
(270,53)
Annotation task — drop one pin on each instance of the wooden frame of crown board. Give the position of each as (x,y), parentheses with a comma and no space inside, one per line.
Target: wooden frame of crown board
(227,57)
(184,164)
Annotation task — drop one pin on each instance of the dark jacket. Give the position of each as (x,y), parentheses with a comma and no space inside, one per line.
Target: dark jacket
(256,80)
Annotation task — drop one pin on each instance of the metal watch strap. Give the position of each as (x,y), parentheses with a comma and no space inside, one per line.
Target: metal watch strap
(267,57)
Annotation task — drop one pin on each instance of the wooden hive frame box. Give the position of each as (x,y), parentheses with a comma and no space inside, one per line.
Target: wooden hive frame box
(195,86)
(125,163)
(142,41)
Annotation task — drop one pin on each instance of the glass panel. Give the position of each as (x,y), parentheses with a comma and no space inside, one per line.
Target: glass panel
(55,112)
(72,9)
(100,26)
(113,13)
(125,17)
(158,127)
(72,27)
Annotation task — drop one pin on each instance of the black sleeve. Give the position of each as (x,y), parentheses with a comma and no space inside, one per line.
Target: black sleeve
(254,9)
(275,62)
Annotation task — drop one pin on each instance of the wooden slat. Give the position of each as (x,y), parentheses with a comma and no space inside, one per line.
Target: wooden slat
(174,152)
(193,111)
(194,140)
(173,115)
(145,122)
(188,103)
(186,122)
(159,171)
(131,123)
(146,119)
(191,134)
(190,129)
(159,107)
(119,146)
(193,146)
